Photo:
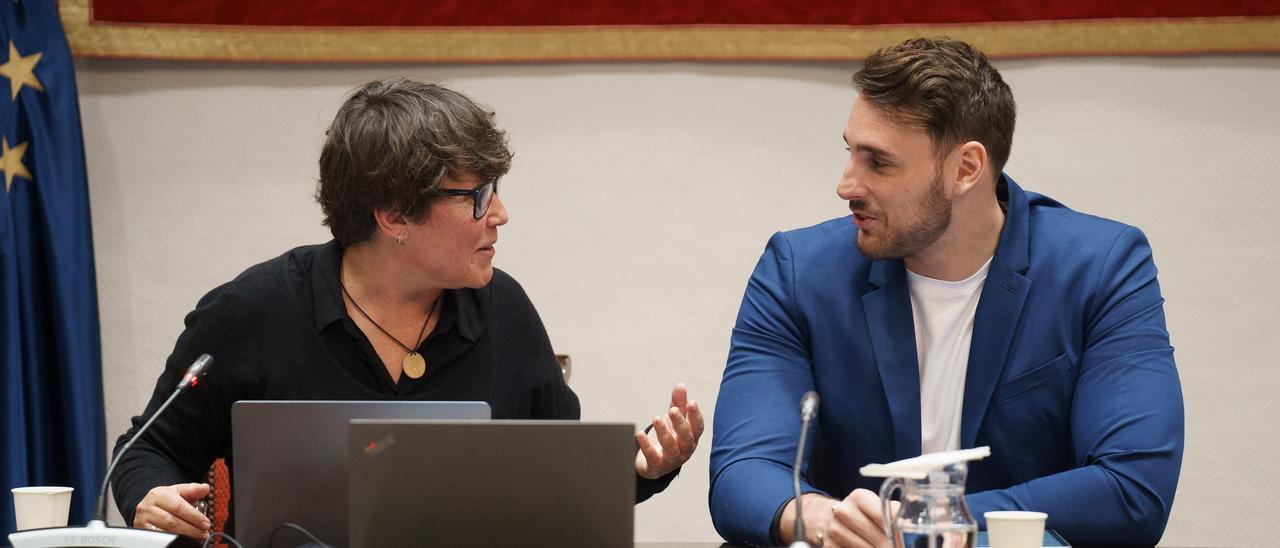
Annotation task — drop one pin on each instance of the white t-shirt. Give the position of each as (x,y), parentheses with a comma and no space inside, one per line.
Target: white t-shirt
(943,313)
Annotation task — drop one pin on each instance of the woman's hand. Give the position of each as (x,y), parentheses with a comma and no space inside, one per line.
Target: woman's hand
(172,508)
(673,439)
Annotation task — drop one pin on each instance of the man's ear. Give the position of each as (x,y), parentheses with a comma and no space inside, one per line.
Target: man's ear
(971,162)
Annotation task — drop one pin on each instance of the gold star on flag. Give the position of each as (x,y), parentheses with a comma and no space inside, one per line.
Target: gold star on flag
(11,163)
(21,70)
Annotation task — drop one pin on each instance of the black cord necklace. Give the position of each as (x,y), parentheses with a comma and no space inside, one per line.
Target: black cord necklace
(412,364)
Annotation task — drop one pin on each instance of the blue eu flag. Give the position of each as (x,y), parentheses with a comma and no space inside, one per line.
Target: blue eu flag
(50,359)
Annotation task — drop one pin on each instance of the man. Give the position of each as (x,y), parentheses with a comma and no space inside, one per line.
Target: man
(952,310)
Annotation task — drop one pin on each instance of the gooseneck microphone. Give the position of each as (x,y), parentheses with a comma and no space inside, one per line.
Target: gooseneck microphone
(189,380)
(96,532)
(808,410)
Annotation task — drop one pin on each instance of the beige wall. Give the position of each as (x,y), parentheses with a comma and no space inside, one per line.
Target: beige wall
(642,195)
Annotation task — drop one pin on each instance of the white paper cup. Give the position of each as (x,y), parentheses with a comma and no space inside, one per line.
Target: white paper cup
(1014,529)
(40,507)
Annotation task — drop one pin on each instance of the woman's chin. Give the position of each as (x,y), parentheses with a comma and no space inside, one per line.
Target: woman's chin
(482,278)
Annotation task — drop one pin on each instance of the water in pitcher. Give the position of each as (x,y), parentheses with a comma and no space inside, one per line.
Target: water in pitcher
(939,536)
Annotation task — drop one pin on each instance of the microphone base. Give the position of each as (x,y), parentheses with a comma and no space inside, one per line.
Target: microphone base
(96,534)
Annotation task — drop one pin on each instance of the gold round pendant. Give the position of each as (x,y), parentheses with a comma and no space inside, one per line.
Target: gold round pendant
(413,365)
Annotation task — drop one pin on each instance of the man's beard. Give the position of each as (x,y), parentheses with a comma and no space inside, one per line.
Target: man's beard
(932,218)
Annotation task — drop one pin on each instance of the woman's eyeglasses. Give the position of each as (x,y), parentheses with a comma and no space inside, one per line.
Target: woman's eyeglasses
(481,196)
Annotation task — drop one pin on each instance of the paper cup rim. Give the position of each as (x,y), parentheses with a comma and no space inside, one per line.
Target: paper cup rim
(1015,515)
(42,490)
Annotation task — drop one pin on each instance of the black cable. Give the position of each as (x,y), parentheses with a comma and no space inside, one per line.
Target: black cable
(271,539)
(208,541)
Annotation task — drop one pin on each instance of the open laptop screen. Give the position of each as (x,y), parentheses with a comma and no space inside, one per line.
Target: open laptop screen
(498,483)
(290,460)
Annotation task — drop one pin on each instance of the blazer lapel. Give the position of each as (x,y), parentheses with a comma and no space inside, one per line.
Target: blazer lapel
(999,309)
(888,313)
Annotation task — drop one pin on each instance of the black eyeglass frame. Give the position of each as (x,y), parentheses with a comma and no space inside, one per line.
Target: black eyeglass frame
(479,201)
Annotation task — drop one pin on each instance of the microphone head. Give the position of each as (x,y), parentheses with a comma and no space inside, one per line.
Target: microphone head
(198,369)
(809,405)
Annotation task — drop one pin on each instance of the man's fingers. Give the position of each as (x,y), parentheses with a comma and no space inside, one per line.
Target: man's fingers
(839,536)
(852,519)
(869,504)
(679,396)
(855,514)
(844,539)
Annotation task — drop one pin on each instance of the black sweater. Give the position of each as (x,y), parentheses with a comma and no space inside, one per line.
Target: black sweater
(274,335)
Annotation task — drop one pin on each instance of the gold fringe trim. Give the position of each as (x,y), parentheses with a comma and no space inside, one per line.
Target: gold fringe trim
(648,43)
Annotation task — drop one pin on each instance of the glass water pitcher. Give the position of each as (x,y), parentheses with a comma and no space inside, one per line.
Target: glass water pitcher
(933,513)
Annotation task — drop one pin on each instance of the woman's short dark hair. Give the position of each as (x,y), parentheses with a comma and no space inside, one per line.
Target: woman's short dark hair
(945,87)
(391,145)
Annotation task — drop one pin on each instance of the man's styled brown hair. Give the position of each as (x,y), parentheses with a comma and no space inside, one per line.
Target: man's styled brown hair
(945,87)
(390,147)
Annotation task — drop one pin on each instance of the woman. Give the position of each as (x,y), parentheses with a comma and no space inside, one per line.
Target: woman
(404,303)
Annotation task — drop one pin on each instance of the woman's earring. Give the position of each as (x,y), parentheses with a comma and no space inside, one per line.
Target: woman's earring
(403,238)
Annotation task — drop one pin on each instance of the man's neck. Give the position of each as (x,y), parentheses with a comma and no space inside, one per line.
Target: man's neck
(964,248)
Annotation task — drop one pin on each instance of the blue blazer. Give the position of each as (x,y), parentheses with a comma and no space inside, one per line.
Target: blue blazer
(1071,378)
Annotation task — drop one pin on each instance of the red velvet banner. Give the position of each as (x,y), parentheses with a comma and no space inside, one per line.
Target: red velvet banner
(504,13)
(485,31)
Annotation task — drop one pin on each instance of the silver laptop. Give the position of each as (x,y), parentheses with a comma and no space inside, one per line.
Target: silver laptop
(289,461)
(499,483)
